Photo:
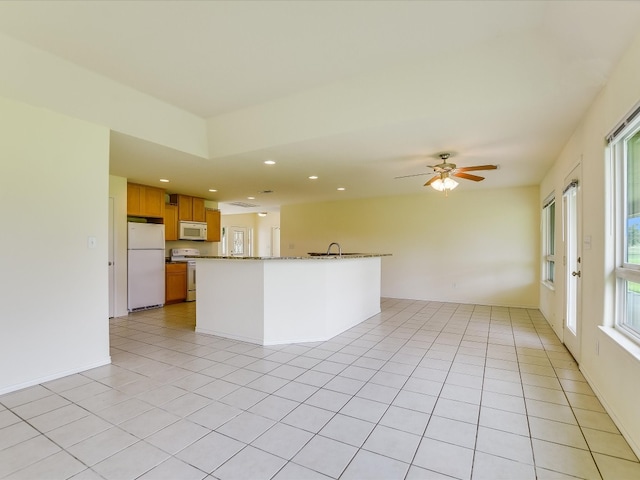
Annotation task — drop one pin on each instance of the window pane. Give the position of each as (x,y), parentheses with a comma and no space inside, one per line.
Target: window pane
(551,266)
(551,230)
(632,319)
(632,254)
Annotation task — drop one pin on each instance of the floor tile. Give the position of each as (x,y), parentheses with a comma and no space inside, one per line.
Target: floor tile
(250,463)
(564,459)
(462,411)
(246,427)
(214,415)
(504,420)
(491,467)
(102,445)
(451,431)
(314,455)
(364,409)
(132,462)
(436,369)
(23,455)
(210,452)
(595,420)
(349,430)
(172,469)
(283,440)
(410,421)
(149,422)
(369,465)
(504,444)
(308,417)
(557,432)
(613,468)
(612,444)
(177,436)
(392,443)
(444,458)
(291,471)
(78,430)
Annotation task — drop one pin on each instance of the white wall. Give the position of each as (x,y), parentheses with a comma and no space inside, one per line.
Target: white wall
(474,246)
(53,289)
(263,235)
(40,78)
(609,367)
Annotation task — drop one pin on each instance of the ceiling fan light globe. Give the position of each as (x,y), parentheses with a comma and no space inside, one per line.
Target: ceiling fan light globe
(444,184)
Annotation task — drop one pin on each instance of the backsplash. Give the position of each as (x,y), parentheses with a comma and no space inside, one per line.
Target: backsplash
(206,248)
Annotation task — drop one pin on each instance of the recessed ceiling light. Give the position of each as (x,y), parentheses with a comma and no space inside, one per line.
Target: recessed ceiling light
(164,180)
(341,188)
(269,162)
(213,190)
(251,198)
(262,214)
(313,177)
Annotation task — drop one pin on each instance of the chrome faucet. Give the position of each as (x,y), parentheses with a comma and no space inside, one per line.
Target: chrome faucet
(331,245)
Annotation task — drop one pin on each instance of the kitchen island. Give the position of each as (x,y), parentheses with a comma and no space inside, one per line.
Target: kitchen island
(277,300)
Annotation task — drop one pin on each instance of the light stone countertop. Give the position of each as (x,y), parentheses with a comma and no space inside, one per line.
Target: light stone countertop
(309,257)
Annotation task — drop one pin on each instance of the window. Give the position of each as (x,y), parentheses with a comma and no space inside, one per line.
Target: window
(549,240)
(625,149)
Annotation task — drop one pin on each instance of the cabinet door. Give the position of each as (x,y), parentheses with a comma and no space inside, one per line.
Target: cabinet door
(133,199)
(175,283)
(185,208)
(213,225)
(153,202)
(170,222)
(198,210)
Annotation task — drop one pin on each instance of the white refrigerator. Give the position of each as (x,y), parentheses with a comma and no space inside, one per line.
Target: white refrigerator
(145,266)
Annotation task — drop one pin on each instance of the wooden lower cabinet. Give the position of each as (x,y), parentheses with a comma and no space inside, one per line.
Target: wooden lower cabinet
(175,282)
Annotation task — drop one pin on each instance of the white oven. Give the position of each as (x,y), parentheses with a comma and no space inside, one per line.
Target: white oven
(182,255)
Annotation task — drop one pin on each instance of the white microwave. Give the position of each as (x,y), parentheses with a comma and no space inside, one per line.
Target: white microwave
(193,231)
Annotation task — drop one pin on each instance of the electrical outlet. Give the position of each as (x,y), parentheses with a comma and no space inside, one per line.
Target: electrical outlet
(291,246)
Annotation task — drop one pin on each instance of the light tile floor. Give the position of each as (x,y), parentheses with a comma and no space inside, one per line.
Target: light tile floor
(424,390)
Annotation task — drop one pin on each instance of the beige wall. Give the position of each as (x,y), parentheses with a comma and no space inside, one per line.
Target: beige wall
(474,246)
(609,366)
(54,192)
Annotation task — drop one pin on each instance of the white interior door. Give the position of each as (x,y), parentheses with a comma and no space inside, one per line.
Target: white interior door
(275,241)
(112,277)
(572,229)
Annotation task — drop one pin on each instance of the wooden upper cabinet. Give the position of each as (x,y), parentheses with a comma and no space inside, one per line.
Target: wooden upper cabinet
(198,210)
(145,201)
(190,209)
(213,225)
(170,222)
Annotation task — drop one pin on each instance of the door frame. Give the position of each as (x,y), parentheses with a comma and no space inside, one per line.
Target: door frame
(573,261)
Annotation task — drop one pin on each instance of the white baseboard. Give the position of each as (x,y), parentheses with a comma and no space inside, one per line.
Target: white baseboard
(54,376)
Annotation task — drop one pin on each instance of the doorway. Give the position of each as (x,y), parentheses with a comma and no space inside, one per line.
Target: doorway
(572,230)
(112,276)
(239,241)
(275,241)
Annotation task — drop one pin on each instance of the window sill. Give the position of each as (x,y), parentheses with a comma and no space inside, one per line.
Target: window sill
(628,345)
(549,286)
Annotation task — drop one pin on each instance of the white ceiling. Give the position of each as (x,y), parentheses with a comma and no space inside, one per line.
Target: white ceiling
(493,82)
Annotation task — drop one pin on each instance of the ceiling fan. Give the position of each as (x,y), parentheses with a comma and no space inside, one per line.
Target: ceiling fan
(444,171)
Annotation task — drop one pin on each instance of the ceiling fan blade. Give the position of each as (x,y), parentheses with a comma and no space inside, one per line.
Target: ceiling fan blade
(468,176)
(433,179)
(477,167)
(414,175)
